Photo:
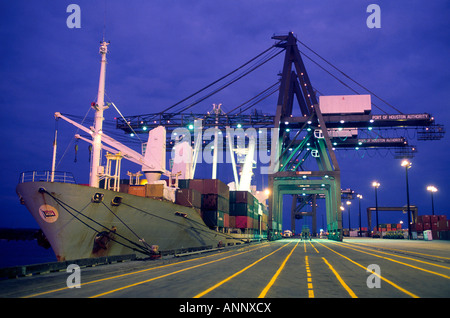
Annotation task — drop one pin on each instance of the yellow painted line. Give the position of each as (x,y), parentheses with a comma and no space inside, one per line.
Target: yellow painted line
(304,246)
(135,272)
(165,275)
(400,256)
(274,277)
(396,261)
(309,280)
(314,247)
(406,251)
(383,278)
(203,293)
(349,291)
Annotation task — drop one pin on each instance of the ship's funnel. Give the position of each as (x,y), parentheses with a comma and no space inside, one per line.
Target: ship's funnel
(155,154)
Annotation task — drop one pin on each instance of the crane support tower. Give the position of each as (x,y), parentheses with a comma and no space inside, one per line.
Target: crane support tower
(287,176)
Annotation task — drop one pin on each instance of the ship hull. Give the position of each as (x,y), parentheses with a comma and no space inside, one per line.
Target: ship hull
(72,221)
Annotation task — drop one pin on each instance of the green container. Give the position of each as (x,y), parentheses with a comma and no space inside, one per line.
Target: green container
(183,183)
(214,218)
(241,209)
(232,196)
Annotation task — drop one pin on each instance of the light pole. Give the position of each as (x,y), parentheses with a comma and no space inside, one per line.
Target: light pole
(349,227)
(432,189)
(376,184)
(359,196)
(407,165)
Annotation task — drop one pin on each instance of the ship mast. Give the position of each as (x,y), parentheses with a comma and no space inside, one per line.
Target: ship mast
(98,121)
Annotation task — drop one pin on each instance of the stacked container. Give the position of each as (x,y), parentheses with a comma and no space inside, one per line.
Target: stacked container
(247,213)
(387,227)
(214,200)
(242,209)
(157,191)
(264,218)
(189,198)
(437,224)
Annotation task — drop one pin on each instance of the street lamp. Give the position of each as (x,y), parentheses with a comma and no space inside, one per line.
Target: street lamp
(407,165)
(376,185)
(432,189)
(349,227)
(359,196)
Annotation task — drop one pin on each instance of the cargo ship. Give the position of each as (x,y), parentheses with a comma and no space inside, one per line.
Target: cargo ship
(111,217)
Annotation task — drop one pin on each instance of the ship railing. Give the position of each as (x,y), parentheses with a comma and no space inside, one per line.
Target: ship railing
(46,176)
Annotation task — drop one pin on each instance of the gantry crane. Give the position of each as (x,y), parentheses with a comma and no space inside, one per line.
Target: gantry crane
(293,140)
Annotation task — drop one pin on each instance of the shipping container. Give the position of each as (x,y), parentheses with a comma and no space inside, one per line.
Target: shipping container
(255,223)
(242,197)
(189,197)
(138,190)
(232,221)
(214,218)
(426,226)
(444,235)
(243,222)
(218,187)
(241,209)
(226,220)
(184,184)
(435,234)
(210,186)
(442,225)
(155,190)
(124,188)
(345,104)
(196,184)
(442,218)
(213,201)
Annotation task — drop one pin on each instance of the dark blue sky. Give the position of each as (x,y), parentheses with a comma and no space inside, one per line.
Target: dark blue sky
(162,51)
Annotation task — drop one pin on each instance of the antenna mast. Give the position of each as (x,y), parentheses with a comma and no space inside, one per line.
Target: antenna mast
(98,121)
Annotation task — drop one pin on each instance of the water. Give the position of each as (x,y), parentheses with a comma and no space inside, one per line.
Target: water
(24,252)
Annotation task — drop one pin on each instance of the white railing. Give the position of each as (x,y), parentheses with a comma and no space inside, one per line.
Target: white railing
(46,176)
